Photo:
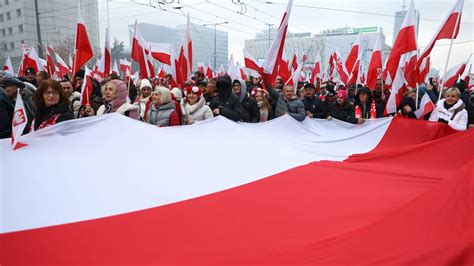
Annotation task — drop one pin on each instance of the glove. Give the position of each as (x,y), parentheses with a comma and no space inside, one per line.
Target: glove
(442,120)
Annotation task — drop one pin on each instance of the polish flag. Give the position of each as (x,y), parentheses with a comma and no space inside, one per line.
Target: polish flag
(354,77)
(375,66)
(115,69)
(448,29)
(293,80)
(294,62)
(284,67)
(125,67)
(107,61)
(175,70)
(161,52)
(409,68)
(396,95)
(186,55)
(8,67)
(63,68)
(86,88)
(331,67)
(426,106)
(404,43)
(232,71)
(33,60)
(452,75)
(242,74)
(317,69)
(352,58)
(209,73)
(201,67)
(273,58)
(340,67)
(162,74)
(349,195)
(251,63)
(138,52)
(70,62)
(424,70)
(466,76)
(19,122)
(83,49)
(50,66)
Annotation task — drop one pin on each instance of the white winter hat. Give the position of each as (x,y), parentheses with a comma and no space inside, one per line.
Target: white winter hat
(177,94)
(145,83)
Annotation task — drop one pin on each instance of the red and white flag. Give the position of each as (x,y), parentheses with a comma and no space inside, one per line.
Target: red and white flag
(273,58)
(209,72)
(86,88)
(284,67)
(340,67)
(201,67)
(162,73)
(161,52)
(466,76)
(106,59)
(34,61)
(404,43)
(175,70)
(398,89)
(186,55)
(70,62)
(453,74)
(352,59)
(448,29)
(251,63)
(63,68)
(408,62)
(424,70)
(139,45)
(426,106)
(374,70)
(19,122)
(125,67)
(317,69)
(83,49)
(115,69)
(50,66)
(8,67)
(232,71)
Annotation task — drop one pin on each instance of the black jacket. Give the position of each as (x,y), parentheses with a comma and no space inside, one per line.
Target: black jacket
(410,102)
(315,106)
(343,112)
(43,114)
(7,106)
(252,112)
(470,110)
(228,103)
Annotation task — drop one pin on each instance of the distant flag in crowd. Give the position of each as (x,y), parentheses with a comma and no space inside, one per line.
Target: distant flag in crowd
(340,67)
(19,122)
(426,106)
(404,43)
(273,58)
(86,88)
(115,69)
(453,74)
(162,73)
(8,67)
(161,52)
(174,67)
(352,59)
(317,69)
(398,89)
(83,48)
(209,72)
(374,70)
(201,67)
(63,68)
(70,62)
(284,67)
(232,71)
(448,29)
(125,67)
(467,76)
(106,62)
(50,66)
(251,63)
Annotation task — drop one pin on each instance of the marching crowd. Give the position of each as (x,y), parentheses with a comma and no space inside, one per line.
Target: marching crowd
(48,101)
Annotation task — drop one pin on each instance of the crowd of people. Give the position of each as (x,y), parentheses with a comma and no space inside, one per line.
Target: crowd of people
(48,101)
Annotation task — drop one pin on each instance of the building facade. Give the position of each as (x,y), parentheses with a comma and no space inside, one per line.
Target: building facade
(57,22)
(202,37)
(325,42)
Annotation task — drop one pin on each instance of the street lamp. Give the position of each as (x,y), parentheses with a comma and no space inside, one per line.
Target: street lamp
(215,39)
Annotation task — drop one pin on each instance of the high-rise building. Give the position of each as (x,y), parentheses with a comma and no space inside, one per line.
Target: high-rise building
(325,42)
(57,22)
(202,37)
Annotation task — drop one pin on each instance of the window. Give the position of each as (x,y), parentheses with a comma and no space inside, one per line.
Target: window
(6,2)
(3,33)
(18,12)
(10,31)
(5,47)
(8,15)
(12,46)
(20,28)
(1,17)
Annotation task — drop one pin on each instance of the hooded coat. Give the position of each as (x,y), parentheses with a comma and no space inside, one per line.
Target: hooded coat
(456,115)
(227,102)
(294,107)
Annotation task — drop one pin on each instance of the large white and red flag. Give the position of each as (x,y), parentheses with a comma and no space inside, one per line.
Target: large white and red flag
(161,52)
(251,63)
(374,71)
(83,49)
(273,58)
(316,72)
(284,67)
(404,43)
(398,89)
(448,29)
(454,73)
(426,106)
(86,88)
(8,67)
(19,122)
(139,53)
(353,58)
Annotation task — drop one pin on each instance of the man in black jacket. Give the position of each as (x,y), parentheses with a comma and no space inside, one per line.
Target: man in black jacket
(313,105)
(226,103)
(8,91)
(252,112)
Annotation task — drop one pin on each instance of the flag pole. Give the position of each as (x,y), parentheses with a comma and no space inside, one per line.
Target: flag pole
(449,54)
(131,60)
(417,96)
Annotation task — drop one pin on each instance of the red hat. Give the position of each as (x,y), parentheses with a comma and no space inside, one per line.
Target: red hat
(342,94)
(192,89)
(258,89)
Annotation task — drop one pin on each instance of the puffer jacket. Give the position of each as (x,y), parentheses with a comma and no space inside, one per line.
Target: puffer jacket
(163,116)
(344,112)
(294,107)
(197,112)
(456,115)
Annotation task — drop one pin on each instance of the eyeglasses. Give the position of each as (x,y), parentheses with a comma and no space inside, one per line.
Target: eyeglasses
(51,92)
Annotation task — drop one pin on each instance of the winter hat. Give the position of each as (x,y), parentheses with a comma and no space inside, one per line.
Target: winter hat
(80,74)
(342,94)
(236,81)
(224,86)
(30,70)
(258,89)
(193,89)
(122,93)
(308,85)
(165,94)
(177,93)
(145,83)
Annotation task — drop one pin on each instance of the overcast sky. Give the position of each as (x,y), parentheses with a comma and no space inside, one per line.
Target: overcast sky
(306,16)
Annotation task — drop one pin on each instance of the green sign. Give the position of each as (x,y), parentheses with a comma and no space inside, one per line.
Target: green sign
(365,30)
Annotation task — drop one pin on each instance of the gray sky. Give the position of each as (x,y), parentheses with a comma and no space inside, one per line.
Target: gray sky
(313,18)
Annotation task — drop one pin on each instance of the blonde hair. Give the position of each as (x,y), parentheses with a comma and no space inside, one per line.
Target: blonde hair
(453,90)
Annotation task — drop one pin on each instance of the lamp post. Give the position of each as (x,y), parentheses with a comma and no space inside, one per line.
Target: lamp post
(215,39)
